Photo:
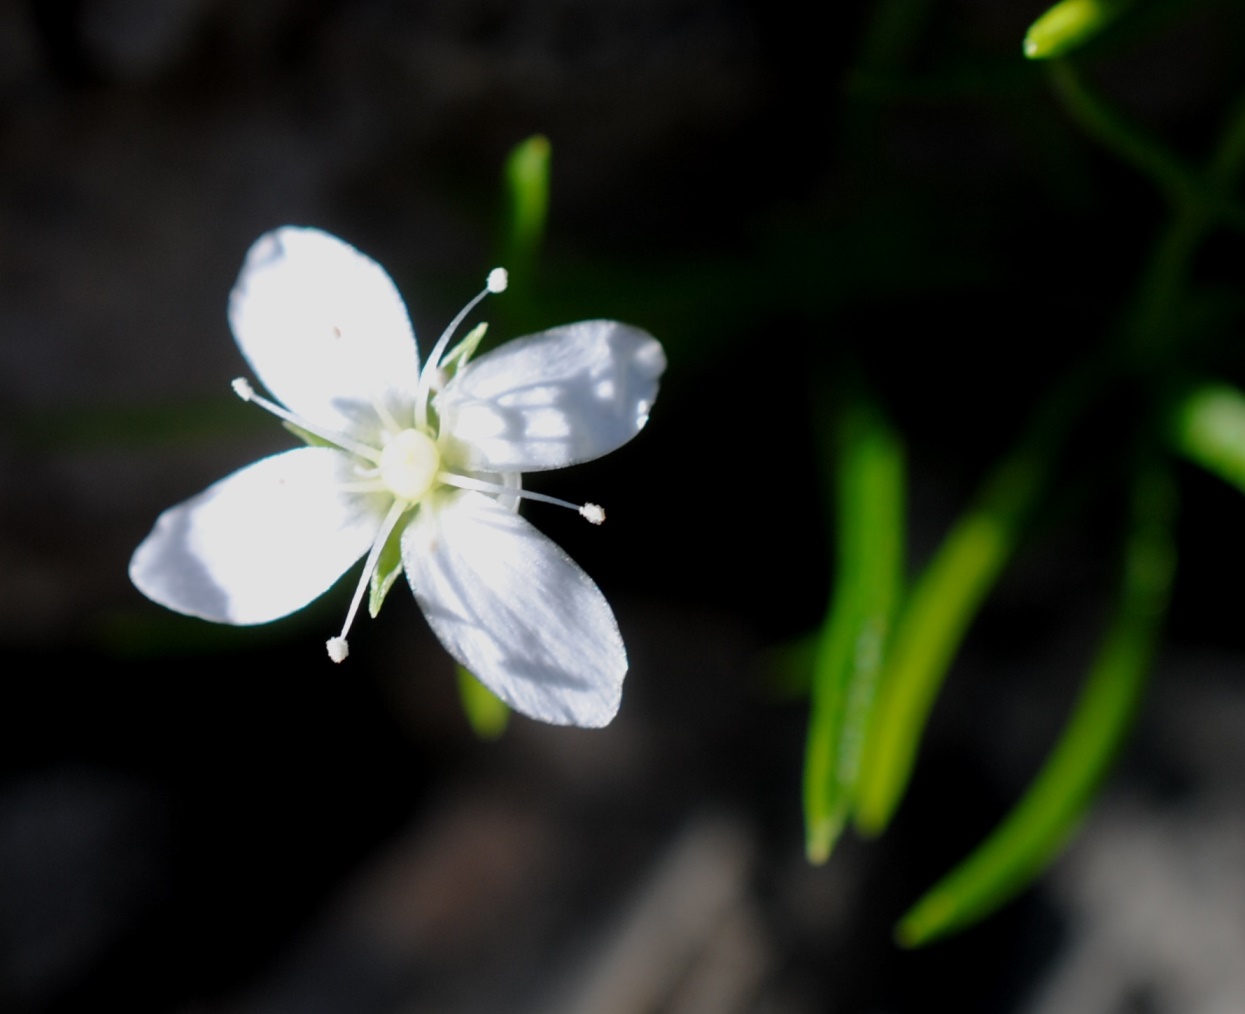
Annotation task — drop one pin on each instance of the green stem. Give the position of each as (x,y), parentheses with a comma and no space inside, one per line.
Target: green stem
(1183,185)
(1229,158)
(1153,319)
(1116,134)
(1200,201)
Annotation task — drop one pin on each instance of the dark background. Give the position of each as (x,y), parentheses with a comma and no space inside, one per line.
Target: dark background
(199,819)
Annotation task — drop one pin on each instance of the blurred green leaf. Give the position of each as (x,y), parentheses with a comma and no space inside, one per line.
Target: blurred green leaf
(1207,426)
(1069,25)
(1037,828)
(869,522)
(947,594)
(527,199)
(943,602)
(486,712)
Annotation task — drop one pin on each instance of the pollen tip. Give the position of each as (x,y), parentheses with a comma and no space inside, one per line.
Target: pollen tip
(594,513)
(242,388)
(498,280)
(338,648)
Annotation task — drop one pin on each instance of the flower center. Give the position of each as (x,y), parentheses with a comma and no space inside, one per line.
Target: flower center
(409,464)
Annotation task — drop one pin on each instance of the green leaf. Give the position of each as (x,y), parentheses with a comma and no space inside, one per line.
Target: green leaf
(1207,426)
(487,714)
(1069,25)
(388,567)
(869,522)
(1040,824)
(943,602)
(527,191)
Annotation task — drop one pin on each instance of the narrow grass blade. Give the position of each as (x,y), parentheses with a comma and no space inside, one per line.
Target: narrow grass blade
(869,541)
(942,604)
(1040,824)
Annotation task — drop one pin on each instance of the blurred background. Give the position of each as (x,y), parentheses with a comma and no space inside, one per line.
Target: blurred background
(202,820)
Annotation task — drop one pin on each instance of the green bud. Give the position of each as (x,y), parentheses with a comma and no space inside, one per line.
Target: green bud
(1069,25)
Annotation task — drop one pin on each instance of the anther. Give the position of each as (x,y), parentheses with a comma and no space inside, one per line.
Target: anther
(497,280)
(593,513)
(242,388)
(338,648)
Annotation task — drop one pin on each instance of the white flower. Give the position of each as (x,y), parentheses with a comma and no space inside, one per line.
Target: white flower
(431,458)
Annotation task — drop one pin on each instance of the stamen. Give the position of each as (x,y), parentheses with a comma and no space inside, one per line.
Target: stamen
(387,421)
(497,280)
(590,512)
(243,389)
(338,647)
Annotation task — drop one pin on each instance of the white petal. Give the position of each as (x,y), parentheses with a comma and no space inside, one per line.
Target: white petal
(260,543)
(514,609)
(324,328)
(552,399)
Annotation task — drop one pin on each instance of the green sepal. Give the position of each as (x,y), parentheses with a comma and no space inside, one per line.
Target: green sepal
(456,359)
(487,714)
(310,439)
(388,567)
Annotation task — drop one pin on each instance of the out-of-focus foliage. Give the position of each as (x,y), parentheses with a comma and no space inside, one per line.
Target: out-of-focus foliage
(486,712)
(1069,25)
(527,205)
(1208,427)
(943,603)
(1039,825)
(869,546)
(1135,367)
